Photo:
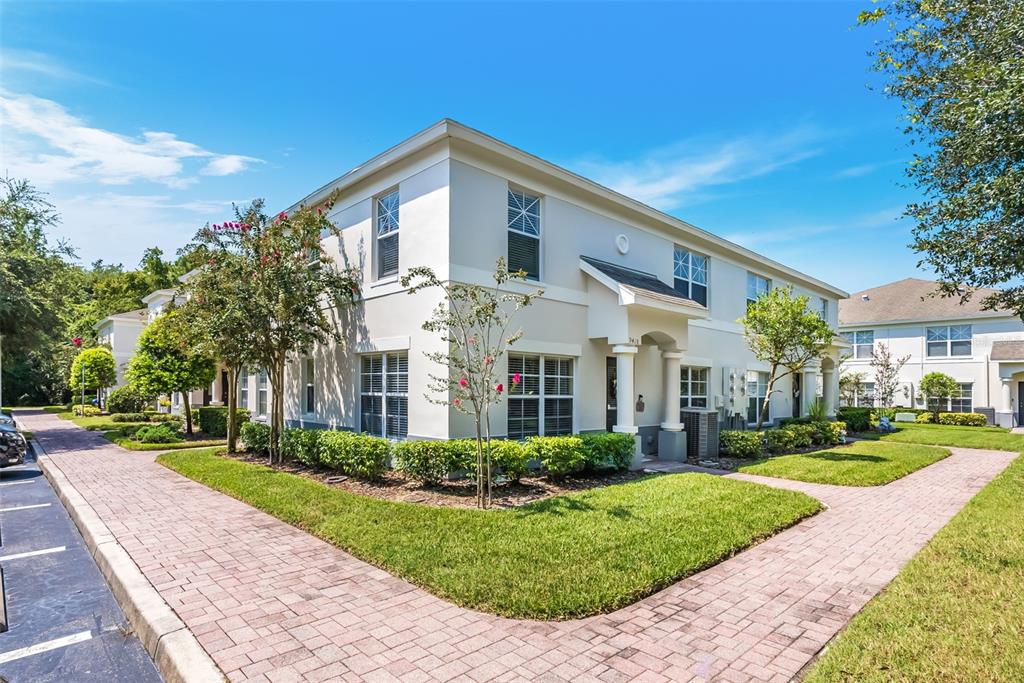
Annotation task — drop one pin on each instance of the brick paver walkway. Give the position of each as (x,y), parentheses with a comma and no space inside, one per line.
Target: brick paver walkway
(272,603)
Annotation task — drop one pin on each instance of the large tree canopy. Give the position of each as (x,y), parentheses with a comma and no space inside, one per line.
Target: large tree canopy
(958,68)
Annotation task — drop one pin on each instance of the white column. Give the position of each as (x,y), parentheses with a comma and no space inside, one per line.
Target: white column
(671,360)
(625,418)
(808,384)
(1006,402)
(829,390)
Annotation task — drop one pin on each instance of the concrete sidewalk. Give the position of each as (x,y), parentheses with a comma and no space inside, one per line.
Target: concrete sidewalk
(271,603)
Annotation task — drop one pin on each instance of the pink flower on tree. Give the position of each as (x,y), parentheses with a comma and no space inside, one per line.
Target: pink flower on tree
(463,382)
(457,402)
(488,360)
(499,388)
(77,341)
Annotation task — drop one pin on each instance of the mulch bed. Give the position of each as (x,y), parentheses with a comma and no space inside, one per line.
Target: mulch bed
(455,494)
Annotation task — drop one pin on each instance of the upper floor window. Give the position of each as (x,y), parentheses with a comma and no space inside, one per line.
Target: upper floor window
(309,399)
(690,272)
(757,287)
(524,234)
(823,312)
(387,234)
(863,342)
(954,340)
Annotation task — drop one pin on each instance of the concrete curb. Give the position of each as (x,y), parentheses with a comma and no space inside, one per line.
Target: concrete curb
(178,655)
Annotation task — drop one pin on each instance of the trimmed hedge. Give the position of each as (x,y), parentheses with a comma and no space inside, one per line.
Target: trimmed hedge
(299,444)
(607,450)
(741,444)
(432,461)
(558,455)
(256,437)
(511,457)
(87,411)
(751,444)
(803,434)
(127,399)
(358,455)
(129,417)
(164,417)
(158,433)
(963,419)
(780,440)
(858,419)
(213,420)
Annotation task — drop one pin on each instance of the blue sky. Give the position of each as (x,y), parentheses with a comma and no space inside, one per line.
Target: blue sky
(753,120)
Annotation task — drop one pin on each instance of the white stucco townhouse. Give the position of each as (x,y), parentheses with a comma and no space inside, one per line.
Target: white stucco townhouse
(120,332)
(982,350)
(636,327)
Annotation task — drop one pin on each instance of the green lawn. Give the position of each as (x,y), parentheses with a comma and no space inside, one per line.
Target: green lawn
(864,463)
(564,557)
(967,437)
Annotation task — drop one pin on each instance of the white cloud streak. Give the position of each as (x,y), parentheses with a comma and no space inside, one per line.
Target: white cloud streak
(866,222)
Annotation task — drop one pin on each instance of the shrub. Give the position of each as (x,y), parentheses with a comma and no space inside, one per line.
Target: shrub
(858,419)
(803,434)
(159,433)
(299,444)
(923,418)
(256,437)
(607,450)
(829,433)
(963,419)
(129,417)
(357,455)
(511,457)
(213,420)
(87,411)
(127,399)
(432,461)
(741,444)
(559,455)
(779,440)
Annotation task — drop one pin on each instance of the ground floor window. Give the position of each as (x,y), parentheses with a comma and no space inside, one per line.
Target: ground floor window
(384,394)
(693,388)
(243,389)
(309,398)
(961,402)
(865,397)
(541,403)
(261,393)
(757,389)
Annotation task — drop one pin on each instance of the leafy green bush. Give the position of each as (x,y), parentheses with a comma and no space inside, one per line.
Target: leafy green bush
(803,434)
(432,461)
(256,437)
(858,419)
(164,417)
(963,419)
(510,457)
(829,433)
(127,399)
(779,440)
(213,420)
(923,418)
(358,455)
(158,433)
(129,417)
(559,455)
(741,444)
(87,411)
(607,450)
(300,444)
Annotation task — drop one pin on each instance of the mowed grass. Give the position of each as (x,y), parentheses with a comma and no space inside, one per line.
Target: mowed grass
(565,557)
(863,463)
(994,438)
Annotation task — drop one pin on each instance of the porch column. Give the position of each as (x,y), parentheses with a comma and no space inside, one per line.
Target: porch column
(672,377)
(808,384)
(625,418)
(1006,405)
(829,389)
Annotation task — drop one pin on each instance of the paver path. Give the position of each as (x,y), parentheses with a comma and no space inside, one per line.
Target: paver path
(272,603)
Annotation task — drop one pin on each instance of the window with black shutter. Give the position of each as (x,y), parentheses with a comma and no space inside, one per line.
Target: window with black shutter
(387,234)
(540,403)
(384,394)
(524,234)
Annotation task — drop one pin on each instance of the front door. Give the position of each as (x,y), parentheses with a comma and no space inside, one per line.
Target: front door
(611,413)
(1020,403)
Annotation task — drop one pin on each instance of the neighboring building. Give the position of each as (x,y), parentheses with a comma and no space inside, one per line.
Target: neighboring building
(637,320)
(120,332)
(982,350)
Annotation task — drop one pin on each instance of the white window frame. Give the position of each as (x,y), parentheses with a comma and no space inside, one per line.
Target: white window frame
(757,286)
(865,396)
(823,313)
(544,381)
(243,388)
(262,396)
(963,402)
(757,375)
(690,376)
(863,343)
(309,386)
(381,215)
(526,202)
(947,336)
(391,387)
(690,271)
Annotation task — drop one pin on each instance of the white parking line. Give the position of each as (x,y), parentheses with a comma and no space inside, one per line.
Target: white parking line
(15,483)
(25,507)
(45,647)
(33,553)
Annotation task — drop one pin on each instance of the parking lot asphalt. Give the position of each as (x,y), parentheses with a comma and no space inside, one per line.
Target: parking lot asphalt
(63,623)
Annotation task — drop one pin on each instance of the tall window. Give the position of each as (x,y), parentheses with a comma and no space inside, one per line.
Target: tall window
(243,388)
(757,389)
(524,233)
(960,402)
(691,275)
(865,395)
(693,388)
(863,342)
(757,287)
(954,340)
(309,398)
(387,234)
(541,404)
(384,394)
(823,311)
(261,396)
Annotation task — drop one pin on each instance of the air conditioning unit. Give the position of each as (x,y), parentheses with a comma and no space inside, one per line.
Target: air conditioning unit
(701,434)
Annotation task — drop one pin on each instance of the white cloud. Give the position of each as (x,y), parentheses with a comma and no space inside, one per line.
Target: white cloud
(667,178)
(48,145)
(793,232)
(863,169)
(16,63)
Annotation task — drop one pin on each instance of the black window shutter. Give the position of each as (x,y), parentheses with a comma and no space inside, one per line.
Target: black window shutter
(387,255)
(524,254)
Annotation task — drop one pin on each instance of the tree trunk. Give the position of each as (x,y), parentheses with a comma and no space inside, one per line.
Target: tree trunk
(479,466)
(276,409)
(188,413)
(233,372)
(766,405)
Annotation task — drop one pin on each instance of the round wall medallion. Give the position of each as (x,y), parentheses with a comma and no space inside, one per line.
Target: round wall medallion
(622,244)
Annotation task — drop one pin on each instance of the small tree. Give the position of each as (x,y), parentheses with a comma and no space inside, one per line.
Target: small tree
(934,387)
(100,370)
(887,373)
(474,321)
(166,361)
(783,332)
(849,386)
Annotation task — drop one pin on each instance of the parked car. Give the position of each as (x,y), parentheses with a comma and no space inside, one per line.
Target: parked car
(13,446)
(6,419)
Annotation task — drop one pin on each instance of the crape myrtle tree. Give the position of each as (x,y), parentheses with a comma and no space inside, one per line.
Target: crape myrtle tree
(289,292)
(166,361)
(935,388)
(475,322)
(887,373)
(100,370)
(955,66)
(783,332)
